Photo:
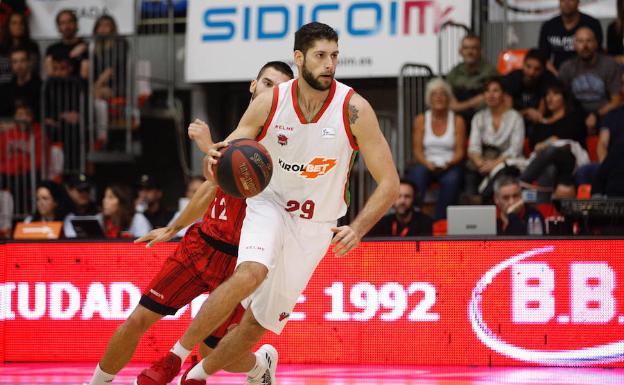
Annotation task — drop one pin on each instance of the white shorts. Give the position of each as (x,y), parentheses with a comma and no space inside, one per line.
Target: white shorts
(290,247)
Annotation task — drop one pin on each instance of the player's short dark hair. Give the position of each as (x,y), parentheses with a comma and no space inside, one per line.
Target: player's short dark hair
(68,11)
(536,54)
(278,66)
(308,34)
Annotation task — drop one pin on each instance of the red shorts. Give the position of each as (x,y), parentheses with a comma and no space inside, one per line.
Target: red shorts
(195,267)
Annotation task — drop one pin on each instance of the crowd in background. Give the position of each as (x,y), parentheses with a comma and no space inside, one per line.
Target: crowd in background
(484,138)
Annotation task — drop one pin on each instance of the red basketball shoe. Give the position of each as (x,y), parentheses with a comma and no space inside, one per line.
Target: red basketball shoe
(191,381)
(161,372)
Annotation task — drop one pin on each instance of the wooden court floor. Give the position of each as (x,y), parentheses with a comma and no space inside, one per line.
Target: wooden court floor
(76,374)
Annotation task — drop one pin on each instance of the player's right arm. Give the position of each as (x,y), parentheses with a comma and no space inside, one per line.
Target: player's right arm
(198,205)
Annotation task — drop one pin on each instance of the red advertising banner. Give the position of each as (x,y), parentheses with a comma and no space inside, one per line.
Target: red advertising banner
(451,302)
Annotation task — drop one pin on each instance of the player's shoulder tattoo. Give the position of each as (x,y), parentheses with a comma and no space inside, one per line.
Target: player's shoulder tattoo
(353,113)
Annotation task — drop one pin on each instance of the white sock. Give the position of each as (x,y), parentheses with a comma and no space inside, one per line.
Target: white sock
(100,377)
(198,372)
(259,368)
(180,351)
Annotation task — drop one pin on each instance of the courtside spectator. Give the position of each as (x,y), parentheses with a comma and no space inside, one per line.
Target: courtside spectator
(615,35)
(407,220)
(513,215)
(468,78)
(593,78)
(70,46)
(6,213)
(17,35)
(557,143)
(556,39)
(527,87)
(149,202)
(439,147)
(495,145)
(191,188)
(118,215)
(80,189)
(51,203)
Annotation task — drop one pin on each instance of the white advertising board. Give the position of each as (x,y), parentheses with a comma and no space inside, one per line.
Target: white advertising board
(43,18)
(230,40)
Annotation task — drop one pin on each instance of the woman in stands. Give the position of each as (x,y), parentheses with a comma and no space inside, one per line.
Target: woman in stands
(51,203)
(557,143)
(439,138)
(108,72)
(118,215)
(17,35)
(495,144)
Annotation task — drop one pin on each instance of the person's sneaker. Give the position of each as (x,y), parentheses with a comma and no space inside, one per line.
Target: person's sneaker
(161,372)
(268,354)
(191,381)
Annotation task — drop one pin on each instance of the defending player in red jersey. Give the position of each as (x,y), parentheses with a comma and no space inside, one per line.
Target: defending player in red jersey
(204,258)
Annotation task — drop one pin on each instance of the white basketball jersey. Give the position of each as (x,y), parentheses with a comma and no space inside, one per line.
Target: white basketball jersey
(311,160)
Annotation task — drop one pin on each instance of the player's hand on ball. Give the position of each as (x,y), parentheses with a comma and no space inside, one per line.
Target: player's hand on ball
(212,157)
(200,133)
(345,240)
(155,236)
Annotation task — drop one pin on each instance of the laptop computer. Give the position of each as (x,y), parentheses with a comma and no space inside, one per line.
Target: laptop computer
(87,226)
(471,220)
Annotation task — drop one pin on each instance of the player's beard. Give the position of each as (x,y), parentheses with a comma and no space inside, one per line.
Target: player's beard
(312,81)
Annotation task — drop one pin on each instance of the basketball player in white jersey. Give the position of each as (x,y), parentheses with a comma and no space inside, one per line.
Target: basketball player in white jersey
(312,127)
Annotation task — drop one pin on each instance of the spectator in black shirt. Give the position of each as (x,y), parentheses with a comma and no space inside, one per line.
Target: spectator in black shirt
(615,35)
(406,221)
(25,85)
(609,179)
(593,78)
(557,143)
(79,189)
(149,202)
(514,217)
(556,37)
(70,46)
(526,88)
(17,35)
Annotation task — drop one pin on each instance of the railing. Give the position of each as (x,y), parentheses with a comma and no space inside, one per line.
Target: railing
(22,158)
(411,101)
(64,125)
(361,182)
(112,100)
(449,42)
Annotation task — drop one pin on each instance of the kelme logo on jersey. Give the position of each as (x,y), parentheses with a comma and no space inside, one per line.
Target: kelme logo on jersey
(315,168)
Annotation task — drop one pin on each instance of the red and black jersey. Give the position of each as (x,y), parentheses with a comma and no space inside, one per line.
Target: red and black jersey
(224,218)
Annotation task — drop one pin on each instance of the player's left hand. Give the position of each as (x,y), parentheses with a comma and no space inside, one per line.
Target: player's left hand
(345,240)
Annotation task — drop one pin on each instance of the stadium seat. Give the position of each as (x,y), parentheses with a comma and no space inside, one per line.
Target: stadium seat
(440,227)
(583,191)
(510,59)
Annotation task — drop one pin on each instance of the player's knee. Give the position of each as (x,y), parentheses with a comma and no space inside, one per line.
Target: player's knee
(140,320)
(250,275)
